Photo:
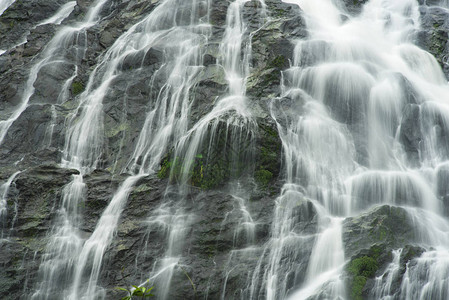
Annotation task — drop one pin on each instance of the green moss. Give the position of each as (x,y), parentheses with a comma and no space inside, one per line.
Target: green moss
(279,62)
(363,266)
(271,75)
(279,12)
(199,174)
(210,250)
(77,88)
(357,287)
(270,150)
(164,171)
(375,251)
(361,269)
(142,188)
(263,177)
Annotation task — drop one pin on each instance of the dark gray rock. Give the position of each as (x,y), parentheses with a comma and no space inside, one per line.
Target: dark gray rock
(213,234)
(354,7)
(384,225)
(433,36)
(410,133)
(31,204)
(369,240)
(20,18)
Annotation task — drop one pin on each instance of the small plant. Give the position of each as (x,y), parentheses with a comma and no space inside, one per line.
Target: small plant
(136,291)
(77,88)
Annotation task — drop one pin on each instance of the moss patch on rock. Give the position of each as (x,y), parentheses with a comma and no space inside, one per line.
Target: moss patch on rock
(361,269)
(77,88)
(268,158)
(198,172)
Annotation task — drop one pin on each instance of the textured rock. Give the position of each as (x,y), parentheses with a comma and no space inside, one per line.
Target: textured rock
(433,36)
(213,231)
(31,204)
(215,238)
(369,240)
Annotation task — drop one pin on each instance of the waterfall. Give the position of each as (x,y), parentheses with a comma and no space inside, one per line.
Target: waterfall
(346,150)
(165,121)
(167,111)
(4,189)
(58,262)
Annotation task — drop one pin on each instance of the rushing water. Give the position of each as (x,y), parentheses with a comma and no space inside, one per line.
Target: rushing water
(348,140)
(56,269)
(343,117)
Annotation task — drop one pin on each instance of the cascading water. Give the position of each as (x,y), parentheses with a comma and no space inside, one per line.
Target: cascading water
(162,124)
(362,118)
(346,149)
(60,51)
(229,124)
(58,262)
(66,242)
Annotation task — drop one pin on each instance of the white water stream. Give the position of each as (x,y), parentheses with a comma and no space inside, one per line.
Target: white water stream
(56,269)
(4,4)
(346,147)
(60,15)
(4,189)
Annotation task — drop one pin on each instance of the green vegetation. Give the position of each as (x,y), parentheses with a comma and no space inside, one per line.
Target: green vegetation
(263,177)
(77,88)
(136,291)
(279,62)
(269,156)
(361,269)
(197,172)
(278,12)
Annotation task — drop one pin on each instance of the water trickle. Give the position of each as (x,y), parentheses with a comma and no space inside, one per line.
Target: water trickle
(64,245)
(4,189)
(165,121)
(60,15)
(230,125)
(4,4)
(67,47)
(56,269)
(382,287)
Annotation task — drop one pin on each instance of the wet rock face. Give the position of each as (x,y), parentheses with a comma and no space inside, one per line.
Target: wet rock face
(31,203)
(36,192)
(387,225)
(22,16)
(369,241)
(354,7)
(433,36)
(212,243)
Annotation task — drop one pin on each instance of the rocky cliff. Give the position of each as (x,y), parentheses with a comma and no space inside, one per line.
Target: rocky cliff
(217,258)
